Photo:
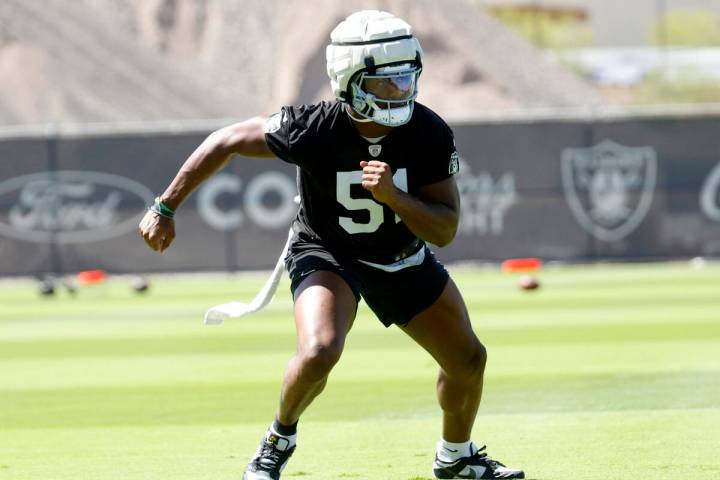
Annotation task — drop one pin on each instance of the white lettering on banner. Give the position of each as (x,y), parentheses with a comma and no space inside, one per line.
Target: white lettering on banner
(710,195)
(207,202)
(70,206)
(269,183)
(609,187)
(255,207)
(484,201)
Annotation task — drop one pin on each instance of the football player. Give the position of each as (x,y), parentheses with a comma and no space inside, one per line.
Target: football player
(375,172)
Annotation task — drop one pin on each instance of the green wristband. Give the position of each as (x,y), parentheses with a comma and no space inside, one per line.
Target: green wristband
(161,209)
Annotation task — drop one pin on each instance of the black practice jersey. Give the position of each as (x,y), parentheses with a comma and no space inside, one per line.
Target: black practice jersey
(323,142)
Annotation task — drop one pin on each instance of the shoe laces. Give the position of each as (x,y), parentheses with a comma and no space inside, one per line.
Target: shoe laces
(269,456)
(482,455)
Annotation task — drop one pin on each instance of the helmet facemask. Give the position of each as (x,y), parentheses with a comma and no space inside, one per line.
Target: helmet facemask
(385,95)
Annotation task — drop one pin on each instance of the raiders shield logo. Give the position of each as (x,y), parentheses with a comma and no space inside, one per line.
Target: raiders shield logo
(609,187)
(375,150)
(710,195)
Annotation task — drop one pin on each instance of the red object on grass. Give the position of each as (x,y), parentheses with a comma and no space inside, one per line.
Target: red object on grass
(513,265)
(89,277)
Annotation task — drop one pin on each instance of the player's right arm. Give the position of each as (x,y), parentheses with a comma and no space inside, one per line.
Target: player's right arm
(245,138)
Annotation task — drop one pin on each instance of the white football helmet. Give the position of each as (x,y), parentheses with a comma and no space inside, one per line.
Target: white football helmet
(373,62)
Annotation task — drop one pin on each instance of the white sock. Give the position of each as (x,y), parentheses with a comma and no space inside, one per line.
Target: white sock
(291,439)
(449,451)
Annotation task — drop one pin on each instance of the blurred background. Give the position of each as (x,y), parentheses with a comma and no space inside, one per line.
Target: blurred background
(586,127)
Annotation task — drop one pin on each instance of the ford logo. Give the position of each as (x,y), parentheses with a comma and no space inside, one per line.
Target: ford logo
(71,206)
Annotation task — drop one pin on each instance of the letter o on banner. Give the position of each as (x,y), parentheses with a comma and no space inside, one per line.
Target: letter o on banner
(207,206)
(710,195)
(271,217)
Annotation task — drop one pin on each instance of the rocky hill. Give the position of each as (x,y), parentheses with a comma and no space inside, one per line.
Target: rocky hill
(127,60)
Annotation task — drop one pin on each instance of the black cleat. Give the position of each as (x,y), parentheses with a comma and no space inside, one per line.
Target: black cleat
(270,459)
(478,465)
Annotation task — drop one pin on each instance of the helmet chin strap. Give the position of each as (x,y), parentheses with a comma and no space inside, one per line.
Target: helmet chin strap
(356,119)
(392,117)
(367,109)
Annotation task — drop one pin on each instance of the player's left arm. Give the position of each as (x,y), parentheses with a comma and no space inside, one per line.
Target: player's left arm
(432,215)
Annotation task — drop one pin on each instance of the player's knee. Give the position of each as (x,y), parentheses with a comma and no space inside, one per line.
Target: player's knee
(471,366)
(320,358)
(475,364)
(480,358)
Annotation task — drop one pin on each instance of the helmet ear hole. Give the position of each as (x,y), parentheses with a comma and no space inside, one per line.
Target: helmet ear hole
(370,65)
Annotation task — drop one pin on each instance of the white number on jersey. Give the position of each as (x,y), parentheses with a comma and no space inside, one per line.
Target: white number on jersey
(343,181)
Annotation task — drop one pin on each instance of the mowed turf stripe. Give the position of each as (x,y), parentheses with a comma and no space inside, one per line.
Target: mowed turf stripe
(356,364)
(560,318)
(587,298)
(487,298)
(199,403)
(273,323)
(557,446)
(259,342)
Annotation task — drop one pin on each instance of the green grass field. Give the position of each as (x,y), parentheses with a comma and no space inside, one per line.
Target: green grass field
(606,372)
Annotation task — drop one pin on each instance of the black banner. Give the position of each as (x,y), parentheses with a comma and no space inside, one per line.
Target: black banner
(574,189)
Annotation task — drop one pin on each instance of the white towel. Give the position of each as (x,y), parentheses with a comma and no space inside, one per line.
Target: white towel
(217,314)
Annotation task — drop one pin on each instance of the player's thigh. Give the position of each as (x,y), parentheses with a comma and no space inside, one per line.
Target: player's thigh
(445,331)
(325,308)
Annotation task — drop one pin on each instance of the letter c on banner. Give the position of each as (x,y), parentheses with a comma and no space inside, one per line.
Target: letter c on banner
(207,206)
(710,195)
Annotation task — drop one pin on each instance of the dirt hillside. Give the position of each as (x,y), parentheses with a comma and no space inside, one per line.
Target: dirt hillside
(127,60)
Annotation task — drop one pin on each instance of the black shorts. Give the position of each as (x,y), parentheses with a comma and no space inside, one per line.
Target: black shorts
(395,297)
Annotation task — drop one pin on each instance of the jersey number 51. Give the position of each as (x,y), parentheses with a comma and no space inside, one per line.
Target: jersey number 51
(344,180)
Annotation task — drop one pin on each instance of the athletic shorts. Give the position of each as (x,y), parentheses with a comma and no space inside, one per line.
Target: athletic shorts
(394,297)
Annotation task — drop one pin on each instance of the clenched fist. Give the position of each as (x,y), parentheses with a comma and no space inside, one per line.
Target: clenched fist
(157,231)
(378,179)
